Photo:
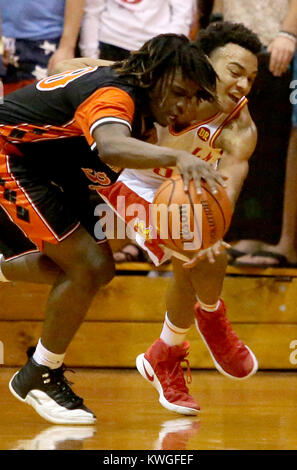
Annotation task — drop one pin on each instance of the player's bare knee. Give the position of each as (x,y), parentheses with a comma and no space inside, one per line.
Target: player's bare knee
(94,273)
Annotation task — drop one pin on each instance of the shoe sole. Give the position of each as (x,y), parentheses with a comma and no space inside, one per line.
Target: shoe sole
(140,360)
(220,369)
(31,401)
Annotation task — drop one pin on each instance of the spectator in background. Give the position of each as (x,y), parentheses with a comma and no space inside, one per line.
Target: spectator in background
(36,36)
(275,22)
(284,254)
(121,26)
(89,35)
(204,11)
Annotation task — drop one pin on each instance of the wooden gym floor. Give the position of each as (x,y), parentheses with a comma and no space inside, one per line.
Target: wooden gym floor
(258,414)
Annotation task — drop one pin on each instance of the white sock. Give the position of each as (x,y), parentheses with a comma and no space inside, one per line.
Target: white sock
(171,334)
(46,358)
(208,307)
(2,277)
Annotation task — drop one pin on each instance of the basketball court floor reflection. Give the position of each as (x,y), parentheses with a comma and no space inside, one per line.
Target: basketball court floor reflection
(257,414)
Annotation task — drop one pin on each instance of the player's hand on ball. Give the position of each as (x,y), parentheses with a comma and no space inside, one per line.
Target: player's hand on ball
(209,254)
(194,168)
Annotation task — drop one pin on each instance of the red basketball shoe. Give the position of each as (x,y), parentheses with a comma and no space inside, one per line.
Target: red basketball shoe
(229,354)
(161,366)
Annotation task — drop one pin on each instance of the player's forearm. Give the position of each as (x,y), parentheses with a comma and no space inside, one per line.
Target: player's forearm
(133,153)
(236,175)
(72,20)
(78,63)
(116,147)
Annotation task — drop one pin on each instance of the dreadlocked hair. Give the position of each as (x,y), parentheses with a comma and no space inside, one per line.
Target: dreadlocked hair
(163,56)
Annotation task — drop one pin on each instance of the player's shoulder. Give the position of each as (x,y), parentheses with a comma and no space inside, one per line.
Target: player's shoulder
(244,119)
(246,128)
(241,124)
(239,133)
(107,77)
(88,85)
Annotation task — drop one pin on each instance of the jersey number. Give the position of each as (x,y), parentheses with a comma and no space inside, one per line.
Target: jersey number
(62,79)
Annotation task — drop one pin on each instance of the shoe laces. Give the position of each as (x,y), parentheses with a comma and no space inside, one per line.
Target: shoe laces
(61,386)
(175,378)
(58,385)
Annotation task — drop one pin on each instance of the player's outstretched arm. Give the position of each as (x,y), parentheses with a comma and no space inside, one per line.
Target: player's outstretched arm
(117,147)
(238,146)
(78,63)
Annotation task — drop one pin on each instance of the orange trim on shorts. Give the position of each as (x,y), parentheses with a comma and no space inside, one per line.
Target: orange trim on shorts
(9,258)
(36,229)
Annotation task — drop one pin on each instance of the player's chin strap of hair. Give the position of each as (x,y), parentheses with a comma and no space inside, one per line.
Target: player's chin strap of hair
(288,35)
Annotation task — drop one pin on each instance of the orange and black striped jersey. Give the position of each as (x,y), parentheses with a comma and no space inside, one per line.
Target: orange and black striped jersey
(70,104)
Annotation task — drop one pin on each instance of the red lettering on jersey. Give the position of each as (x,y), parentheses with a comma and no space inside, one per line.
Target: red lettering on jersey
(208,157)
(196,151)
(165,172)
(203,133)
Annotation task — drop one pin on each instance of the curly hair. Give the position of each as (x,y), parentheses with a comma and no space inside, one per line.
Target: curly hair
(163,56)
(223,32)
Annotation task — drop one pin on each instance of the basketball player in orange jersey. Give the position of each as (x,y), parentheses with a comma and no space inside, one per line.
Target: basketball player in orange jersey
(224,134)
(58,137)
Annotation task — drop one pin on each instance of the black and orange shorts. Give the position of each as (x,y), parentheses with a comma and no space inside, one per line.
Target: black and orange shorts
(44,196)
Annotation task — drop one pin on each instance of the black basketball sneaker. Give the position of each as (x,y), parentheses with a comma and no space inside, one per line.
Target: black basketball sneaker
(49,393)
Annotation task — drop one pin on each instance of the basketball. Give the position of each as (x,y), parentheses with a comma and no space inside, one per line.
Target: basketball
(188,222)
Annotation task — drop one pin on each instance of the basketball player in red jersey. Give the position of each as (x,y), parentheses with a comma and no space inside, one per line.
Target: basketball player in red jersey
(51,133)
(223,133)
(195,292)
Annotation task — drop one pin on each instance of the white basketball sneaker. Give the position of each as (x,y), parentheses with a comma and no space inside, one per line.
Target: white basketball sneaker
(49,393)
